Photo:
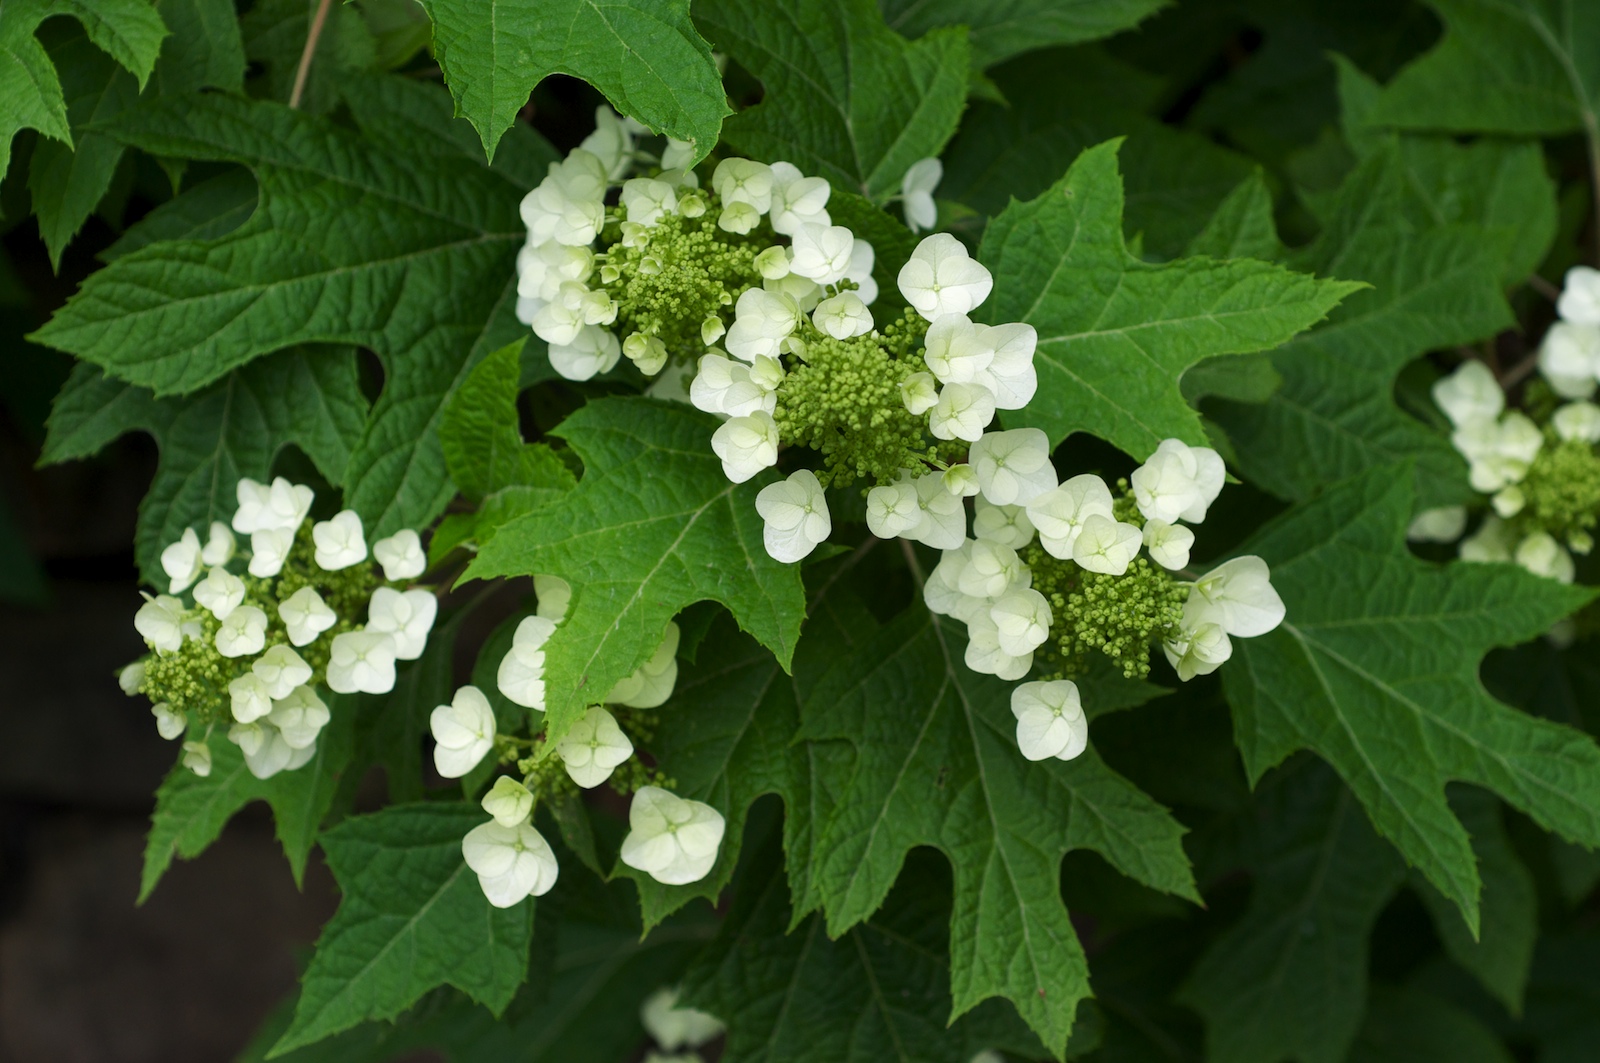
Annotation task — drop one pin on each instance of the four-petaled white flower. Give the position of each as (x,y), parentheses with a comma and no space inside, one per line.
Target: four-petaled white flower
(797,200)
(197,758)
(985,654)
(944,518)
(746,445)
(960,480)
(919,392)
(299,717)
(361,661)
(511,862)
(674,1027)
(1540,554)
(593,748)
(1010,376)
(651,683)
(463,732)
(744,181)
(1013,467)
(1106,545)
(1050,720)
(508,801)
(1059,514)
(593,351)
(243,633)
(1022,620)
(821,253)
(892,510)
(1442,524)
(1569,358)
(762,320)
(1168,544)
(280,670)
(249,698)
(269,549)
(131,678)
(568,206)
(843,316)
(1237,596)
(261,508)
(941,278)
(169,724)
(1580,296)
(521,675)
(1577,422)
(962,412)
(339,542)
(181,561)
(1007,525)
(305,616)
(991,570)
(724,386)
(916,193)
(647,200)
(796,514)
(400,555)
(1197,650)
(1469,394)
(611,142)
(673,840)
(220,545)
(956,350)
(1178,482)
(406,615)
(221,592)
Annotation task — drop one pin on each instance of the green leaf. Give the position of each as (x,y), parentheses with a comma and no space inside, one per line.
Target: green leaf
(394,727)
(204,51)
(208,209)
(1288,980)
(274,34)
(1003,28)
(1410,1025)
(846,97)
(1335,416)
(937,764)
(652,527)
(1528,67)
(412,917)
(1376,671)
(191,811)
(1562,1017)
(306,397)
(1242,226)
(879,992)
(643,54)
(130,31)
(1116,333)
(482,444)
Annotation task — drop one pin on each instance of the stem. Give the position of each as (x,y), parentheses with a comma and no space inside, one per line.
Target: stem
(912,562)
(1544,287)
(1517,373)
(304,70)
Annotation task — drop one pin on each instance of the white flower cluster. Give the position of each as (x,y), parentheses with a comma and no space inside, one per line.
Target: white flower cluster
(236,652)
(674,1027)
(1569,357)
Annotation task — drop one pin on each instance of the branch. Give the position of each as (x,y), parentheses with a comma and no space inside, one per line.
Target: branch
(304,70)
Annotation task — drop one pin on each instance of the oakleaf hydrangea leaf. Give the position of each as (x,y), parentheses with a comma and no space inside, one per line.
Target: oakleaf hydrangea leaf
(1288,981)
(938,765)
(1376,671)
(412,917)
(846,97)
(1116,333)
(483,446)
(643,54)
(208,440)
(653,526)
(1003,28)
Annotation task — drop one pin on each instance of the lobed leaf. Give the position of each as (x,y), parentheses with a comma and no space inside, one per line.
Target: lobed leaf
(1001,29)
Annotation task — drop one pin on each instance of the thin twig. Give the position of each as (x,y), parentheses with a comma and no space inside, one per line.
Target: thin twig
(304,70)
(1520,372)
(843,567)
(912,562)
(1544,287)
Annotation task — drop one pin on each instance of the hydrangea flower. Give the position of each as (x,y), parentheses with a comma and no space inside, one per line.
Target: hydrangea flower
(182,562)
(651,683)
(1197,650)
(673,1026)
(746,445)
(1238,597)
(280,671)
(400,555)
(916,194)
(1178,482)
(521,674)
(1013,467)
(220,593)
(511,862)
(509,802)
(361,661)
(593,748)
(1060,513)
(796,514)
(941,278)
(671,839)
(463,732)
(1050,720)
(305,616)
(406,616)
(243,633)
(339,541)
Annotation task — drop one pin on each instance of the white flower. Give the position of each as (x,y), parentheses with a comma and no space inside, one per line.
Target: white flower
(554,594)
(576,306)
(1577,421)
(593,748)
(1022,620)
(944,518)
(724,386)
(543,268)
(400,555)
(652,682)
(509,802)
(1006,525)
(862,259)
(1050,720)
(671,839)
(960,480)
(243,633)
(796,514)
(955,350)
(773,263)
(744,181)
(916,193)
(282,506)
(1238,596)
(1106,545)
(269,549)
(280,670)
(985,654)
(361,661)
(181,561)
(521,675)
(169,724)
(221,592)
(806,295)
(941,278)
(1569,358)
(675,1027)
(746,445)
(678,155)
(1491,542)
(1443,524)
(1168,544)
(821,253)
(892,510)
(1059,514)
(1010,375)
(843,316)
(511,862)
(197,758)
(1540,554)
(463,732)
(646,200)
(762,321)
(611,142)
(594,350)
(338,541)
(991,570)
(1013,467)
(942,589)
(299,717)
(131,678)
(220,545)
(1178,482)
(1580,296)
(738,218)
(305,615)
(1469,394)
(1198,650)
(252,738)
(249,698)
(568,206)
(1498,453)
(962,412)
(919,392)
(797,200)
(1508,501)
(406,615)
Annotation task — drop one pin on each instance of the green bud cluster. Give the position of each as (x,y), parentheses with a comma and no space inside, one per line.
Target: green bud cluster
(194,680)
(641,726)
(1120,617)
(346,591)
(843,400)
(1125,507)
(1561,492)
(679,272)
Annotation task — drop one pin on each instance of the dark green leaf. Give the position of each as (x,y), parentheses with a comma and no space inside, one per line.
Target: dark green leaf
(1003,28)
